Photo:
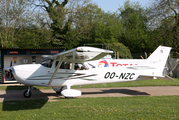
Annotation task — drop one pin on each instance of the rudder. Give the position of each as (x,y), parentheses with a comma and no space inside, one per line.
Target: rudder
(159,58)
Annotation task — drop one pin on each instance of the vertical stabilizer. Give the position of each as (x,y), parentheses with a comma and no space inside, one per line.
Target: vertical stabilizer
(159,58)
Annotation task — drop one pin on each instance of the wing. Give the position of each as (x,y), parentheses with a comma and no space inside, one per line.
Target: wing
(82,54)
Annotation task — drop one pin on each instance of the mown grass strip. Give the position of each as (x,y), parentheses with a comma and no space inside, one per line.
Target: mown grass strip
(154,82)
(137,107)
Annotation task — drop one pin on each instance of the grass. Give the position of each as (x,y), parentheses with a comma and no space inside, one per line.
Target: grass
(121,84)
(154,82)
(137,107)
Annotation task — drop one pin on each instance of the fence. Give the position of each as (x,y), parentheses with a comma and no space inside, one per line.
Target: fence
(173,67)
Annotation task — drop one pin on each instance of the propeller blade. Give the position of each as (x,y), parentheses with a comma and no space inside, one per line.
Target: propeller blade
(11,64)
(9,69)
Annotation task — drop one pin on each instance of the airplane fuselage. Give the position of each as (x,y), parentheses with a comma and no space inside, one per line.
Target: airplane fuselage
(104,72)
(83,66)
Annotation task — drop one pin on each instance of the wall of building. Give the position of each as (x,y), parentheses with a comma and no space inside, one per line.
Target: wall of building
(18,60)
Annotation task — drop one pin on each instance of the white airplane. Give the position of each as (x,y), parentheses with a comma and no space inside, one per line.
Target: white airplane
(84,65)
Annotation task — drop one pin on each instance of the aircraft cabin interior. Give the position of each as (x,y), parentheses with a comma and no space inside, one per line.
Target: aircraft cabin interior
(67,65)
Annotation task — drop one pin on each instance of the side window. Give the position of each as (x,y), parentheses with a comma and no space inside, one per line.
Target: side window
(64,65)
(80,66)
(68,65)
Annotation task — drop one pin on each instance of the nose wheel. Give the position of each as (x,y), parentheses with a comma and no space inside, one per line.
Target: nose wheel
(27,93)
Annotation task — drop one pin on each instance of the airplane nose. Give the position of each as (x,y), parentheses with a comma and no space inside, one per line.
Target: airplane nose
(16,73)
(9,69)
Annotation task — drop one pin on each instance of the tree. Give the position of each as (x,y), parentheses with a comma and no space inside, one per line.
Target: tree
(135,27)
(70,23)
(56,12)
(56,15)
(13,14)
(107,28)
(33,37)
(165,20)
(81,21)
(124,52)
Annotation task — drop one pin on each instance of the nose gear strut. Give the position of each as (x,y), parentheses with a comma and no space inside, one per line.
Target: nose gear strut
(27,93)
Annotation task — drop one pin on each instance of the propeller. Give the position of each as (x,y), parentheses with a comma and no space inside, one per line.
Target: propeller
(9,70)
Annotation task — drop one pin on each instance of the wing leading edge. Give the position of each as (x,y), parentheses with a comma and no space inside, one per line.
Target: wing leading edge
(83,54)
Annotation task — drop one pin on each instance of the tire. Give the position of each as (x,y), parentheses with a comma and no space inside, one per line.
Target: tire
(27,95)
(69,97)
(58,92)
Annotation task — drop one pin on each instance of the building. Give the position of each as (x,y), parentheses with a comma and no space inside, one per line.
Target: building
(12,57)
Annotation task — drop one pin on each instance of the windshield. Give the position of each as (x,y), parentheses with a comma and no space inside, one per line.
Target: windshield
(47,63)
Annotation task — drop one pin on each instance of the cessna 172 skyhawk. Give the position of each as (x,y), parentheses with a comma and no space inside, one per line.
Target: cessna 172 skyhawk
(84,65)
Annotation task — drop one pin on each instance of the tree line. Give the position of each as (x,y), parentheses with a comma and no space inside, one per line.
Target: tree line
(72,23)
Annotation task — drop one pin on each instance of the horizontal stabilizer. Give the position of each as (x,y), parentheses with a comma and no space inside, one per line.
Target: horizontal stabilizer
(166,77)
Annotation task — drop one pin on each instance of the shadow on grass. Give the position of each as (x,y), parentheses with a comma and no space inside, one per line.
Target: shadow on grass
(14,99)
(122,91)
(19,87)
(23,105)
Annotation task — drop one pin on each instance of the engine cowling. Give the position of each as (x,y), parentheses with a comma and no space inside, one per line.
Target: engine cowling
(70,93)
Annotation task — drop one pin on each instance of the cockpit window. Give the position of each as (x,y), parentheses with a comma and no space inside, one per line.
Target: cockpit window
(47,63)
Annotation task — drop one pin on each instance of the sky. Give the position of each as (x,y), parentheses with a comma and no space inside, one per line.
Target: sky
(113,5)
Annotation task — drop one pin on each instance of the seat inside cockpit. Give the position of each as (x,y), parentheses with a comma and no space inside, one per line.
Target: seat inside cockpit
(80,66)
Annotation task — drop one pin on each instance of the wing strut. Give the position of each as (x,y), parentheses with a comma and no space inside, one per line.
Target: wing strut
(55,72)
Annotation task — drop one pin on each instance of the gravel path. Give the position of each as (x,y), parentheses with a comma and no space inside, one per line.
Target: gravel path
(50,95)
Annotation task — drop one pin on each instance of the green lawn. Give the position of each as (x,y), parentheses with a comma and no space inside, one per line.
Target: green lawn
(121,84)
(155,82)
(138,107)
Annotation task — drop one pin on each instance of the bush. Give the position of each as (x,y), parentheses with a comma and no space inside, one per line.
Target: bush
(124,52)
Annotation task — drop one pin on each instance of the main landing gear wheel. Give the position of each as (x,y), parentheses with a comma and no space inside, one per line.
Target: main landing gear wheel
(27,94)
(58,90)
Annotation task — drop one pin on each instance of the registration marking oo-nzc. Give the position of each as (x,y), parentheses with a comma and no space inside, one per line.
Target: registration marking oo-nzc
(112,75)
